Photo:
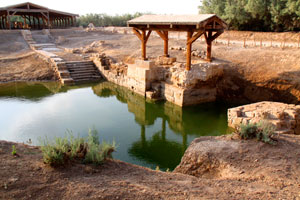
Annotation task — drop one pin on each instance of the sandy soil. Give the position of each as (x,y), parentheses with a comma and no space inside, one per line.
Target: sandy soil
(12,44)
(25,67)
(19,63)
(263,172)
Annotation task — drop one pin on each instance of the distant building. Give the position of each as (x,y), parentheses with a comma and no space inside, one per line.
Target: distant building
(31,16)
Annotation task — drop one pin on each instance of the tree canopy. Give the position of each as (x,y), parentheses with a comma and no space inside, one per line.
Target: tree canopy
(106,20)
(256,15)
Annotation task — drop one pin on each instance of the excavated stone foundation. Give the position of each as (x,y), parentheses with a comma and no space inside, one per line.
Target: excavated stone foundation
(166,79)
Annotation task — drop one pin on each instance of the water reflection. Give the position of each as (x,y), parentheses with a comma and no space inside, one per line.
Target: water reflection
(209,119)
(149,134)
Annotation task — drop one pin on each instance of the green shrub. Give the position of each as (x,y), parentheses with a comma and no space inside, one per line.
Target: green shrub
(262,131)
(14,150)
(70,148)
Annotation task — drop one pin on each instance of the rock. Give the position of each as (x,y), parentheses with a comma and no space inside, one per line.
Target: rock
(162,60)
(60,40)
(201,160)
(284,117)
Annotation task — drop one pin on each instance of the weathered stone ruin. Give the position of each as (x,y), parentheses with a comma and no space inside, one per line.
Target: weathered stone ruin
(170,81)
(285,117)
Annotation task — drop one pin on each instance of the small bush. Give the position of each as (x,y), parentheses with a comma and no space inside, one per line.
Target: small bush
(86,150)
(14,150)
(262,131)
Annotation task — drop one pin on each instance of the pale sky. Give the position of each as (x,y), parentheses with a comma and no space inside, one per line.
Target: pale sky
(113,7)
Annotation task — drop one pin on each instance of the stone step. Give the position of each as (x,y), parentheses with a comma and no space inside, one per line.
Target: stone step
(87,80)
(82,71)
(82,68)
(67,80)
(85,76)
(64,72)
(81,65)
(81,62)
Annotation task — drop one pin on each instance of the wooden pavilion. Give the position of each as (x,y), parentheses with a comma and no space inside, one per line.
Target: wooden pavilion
(35,17)
(209,25)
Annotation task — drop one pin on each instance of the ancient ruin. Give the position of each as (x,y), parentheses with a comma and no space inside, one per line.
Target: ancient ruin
(284,117)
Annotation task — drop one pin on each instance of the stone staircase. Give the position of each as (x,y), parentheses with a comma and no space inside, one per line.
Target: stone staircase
(69,72)
(82,71)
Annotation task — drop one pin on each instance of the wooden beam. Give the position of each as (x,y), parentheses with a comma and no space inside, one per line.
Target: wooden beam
(209,45)
(165,36)
(195,37)
(48,21)
(14,13)
(188,51)
(147,36)
(217,34)
(26,10)
(161,34)
(144,45)
(8,24)
(166,44)
(137,33)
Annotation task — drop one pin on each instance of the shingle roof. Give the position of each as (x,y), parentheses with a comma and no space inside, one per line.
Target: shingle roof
(171,19)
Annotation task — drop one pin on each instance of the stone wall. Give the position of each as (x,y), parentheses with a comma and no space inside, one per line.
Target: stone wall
(170,82)
(285,117)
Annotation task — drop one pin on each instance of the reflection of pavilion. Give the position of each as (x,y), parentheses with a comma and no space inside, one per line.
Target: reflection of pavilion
(158,150)
(196,120)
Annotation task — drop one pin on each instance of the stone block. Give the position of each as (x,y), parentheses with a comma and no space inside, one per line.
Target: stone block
(163,60)
(144,63)
(284,117)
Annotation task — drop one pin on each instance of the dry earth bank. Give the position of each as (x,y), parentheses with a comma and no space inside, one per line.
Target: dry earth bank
(226,168)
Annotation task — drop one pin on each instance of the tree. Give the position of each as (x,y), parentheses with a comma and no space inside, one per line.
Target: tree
(257,15)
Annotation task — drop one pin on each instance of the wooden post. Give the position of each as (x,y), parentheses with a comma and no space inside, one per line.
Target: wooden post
(144,45)
(189,51)
(209,44)
(8,24)
(38,19)
(25,23)
(260,43)
(143,38)
(166,44)
(48,20)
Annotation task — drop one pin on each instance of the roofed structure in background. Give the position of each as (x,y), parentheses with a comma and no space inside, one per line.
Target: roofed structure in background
(209,25)
(34,17)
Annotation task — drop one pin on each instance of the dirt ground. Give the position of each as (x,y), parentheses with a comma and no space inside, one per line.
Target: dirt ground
(25,67)
(261,171)
(19,63)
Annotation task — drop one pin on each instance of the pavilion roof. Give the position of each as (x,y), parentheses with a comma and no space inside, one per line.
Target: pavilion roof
(29,7)
(196,20)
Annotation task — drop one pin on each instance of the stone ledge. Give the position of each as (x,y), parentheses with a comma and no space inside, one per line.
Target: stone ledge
(285,117)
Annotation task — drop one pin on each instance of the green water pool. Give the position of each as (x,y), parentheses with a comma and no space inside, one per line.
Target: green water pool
(147,133)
